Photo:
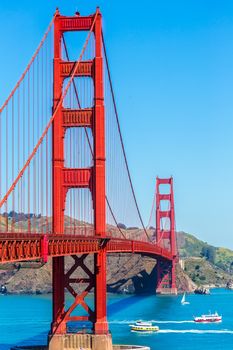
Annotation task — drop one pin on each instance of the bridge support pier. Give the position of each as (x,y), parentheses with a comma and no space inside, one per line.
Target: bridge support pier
(80,341)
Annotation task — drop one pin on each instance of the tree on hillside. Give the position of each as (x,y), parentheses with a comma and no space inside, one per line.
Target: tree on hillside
(209,253)
(231,267)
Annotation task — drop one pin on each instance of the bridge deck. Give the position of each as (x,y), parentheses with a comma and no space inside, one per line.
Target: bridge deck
(25,247)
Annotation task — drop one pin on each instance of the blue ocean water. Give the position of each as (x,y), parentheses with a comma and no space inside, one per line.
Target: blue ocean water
(25,320)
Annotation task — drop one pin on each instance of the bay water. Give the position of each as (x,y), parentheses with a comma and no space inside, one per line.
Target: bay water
(25,320)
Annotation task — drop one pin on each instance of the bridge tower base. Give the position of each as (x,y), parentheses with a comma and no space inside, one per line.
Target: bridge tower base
(80,341)
(166,278)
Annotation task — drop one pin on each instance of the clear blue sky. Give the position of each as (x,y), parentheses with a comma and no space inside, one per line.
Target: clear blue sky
(172,68)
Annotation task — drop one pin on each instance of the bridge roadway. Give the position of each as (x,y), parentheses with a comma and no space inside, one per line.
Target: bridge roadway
(27,246)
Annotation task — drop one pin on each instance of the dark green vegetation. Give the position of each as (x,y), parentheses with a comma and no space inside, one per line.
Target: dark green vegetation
(205,264)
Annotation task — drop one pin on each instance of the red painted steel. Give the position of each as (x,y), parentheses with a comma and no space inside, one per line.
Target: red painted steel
(76,23)
(99,191)
(77,178)
(79,298)
(58,199)
(166,236)
(78,118)
(85,69)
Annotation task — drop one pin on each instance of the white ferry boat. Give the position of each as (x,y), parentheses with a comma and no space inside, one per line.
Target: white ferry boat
(208,318)
(141,326)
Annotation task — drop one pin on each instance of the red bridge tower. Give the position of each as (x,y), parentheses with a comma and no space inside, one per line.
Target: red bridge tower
(92,178)
(166,236)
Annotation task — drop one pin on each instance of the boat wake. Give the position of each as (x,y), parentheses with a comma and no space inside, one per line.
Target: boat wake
(153,321)
(196,331)
(175,322)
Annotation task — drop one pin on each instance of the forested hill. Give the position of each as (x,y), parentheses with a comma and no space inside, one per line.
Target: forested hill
(190,246)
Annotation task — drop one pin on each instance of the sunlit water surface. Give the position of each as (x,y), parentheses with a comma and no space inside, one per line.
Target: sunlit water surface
(25,320)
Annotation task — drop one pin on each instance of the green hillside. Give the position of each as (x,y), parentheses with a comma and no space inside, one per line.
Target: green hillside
(204,263)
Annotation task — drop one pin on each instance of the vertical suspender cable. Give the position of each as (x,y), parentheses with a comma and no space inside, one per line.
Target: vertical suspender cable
(122,144)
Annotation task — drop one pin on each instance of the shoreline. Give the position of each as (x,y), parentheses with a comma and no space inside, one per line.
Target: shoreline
(121,294)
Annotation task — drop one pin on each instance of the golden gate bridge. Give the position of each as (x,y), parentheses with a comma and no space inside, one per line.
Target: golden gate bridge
(63,164)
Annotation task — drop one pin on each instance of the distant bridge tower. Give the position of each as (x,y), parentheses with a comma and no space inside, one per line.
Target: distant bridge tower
(166,236)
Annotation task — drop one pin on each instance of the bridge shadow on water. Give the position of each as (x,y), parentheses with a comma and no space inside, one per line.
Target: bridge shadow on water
(144,285)
(122,304)
(162,303)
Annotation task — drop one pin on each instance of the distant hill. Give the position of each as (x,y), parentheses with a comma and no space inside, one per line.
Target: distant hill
(204,263)
(190,246)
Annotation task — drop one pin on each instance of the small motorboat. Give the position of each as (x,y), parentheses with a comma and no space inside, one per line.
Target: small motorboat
(183,300)
(208,318)
(141,326)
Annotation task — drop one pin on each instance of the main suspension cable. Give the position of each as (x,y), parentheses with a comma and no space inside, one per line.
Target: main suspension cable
(30,63)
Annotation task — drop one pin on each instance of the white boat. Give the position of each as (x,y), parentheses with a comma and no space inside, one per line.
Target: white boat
(141,326)
(208,318)
(183,300)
